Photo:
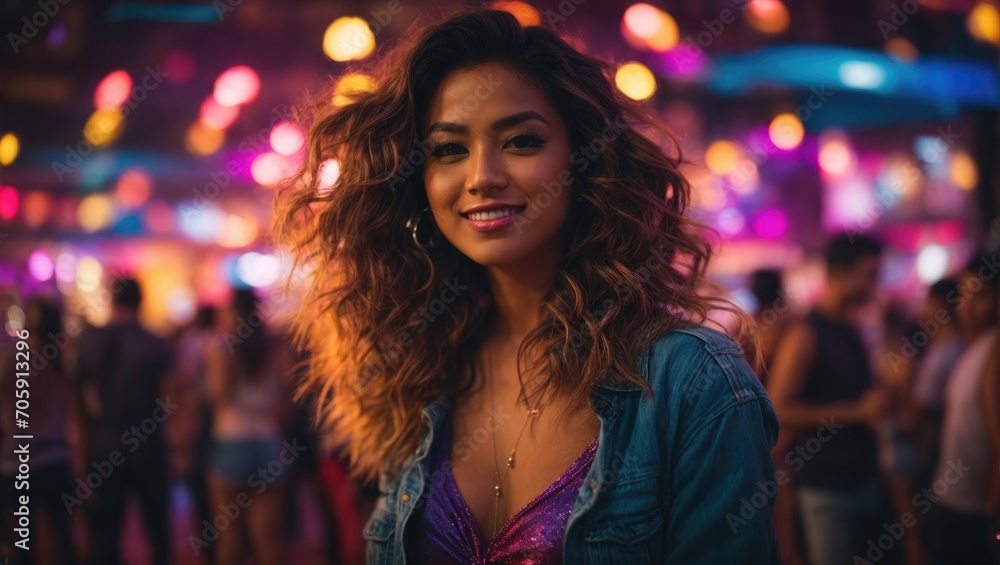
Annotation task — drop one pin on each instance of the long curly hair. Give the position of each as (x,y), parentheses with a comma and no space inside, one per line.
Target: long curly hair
(393,326)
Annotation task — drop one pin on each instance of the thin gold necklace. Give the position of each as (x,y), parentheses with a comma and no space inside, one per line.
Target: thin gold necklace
(498,487)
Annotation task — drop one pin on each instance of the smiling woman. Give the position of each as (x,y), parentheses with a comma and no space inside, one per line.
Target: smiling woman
(487,169)
(505,324)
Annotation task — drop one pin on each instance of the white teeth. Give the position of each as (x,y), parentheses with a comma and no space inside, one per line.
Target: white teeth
(492,214)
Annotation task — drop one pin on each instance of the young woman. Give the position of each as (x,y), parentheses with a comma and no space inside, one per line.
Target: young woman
(243,374)
(504,317)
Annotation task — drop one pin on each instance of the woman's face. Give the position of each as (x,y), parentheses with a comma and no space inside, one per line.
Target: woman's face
(495,140)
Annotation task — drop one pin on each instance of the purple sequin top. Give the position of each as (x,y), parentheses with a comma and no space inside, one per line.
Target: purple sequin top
(444,532)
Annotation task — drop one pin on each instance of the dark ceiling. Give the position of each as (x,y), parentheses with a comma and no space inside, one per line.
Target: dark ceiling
(46,92)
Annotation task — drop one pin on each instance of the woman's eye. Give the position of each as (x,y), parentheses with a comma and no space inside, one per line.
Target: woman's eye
(526,140)
(445,149)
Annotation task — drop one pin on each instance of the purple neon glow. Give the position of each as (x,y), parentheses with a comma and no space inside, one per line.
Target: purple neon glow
(771,224)
(40,265)
(687,60)
(731,221)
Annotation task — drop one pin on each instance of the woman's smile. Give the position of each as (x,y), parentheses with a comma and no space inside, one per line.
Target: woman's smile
(488,170)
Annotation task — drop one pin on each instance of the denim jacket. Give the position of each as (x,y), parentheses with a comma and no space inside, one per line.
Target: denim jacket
(686,478)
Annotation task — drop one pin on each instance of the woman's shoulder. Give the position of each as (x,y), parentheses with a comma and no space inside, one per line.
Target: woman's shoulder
(700,366)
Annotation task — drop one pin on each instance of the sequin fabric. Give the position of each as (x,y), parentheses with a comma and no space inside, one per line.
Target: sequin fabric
(444,532)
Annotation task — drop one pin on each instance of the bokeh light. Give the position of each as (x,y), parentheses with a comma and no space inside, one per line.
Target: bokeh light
(329,174)
(983,23)
(767,16)
(66,267)
(744,178)
(15,319)
(287,138)
(786,131)
(113,90)
(88,274)
(217,116)
(348,39)
(203,140)
(9,148)
(350,86)
(57,36)
(9,202)
(270,168)
(238,85)
(40,265)
(647,27)
(95,212)
(199,221)
(771,223)
(962,170)
(258,270)
(901,49)
(636,81)
(238,231)
(731,221)
(932,263)
(722,156)
(36,208)
(159,217)
(133,188)
(836,159)
(526,14)
(864,75)
(181,305)
(104,126)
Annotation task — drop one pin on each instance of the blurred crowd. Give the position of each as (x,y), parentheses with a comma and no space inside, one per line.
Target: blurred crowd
(120,416)
(887,452)
(889,439)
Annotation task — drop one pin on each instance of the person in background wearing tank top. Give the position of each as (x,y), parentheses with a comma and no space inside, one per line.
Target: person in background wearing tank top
(959,526)
(244,376)
(822,387)
(51,453)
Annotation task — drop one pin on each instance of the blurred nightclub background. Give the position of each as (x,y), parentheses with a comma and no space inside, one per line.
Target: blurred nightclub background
(145,139)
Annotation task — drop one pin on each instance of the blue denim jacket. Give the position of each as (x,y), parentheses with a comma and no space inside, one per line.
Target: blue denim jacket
(686,478)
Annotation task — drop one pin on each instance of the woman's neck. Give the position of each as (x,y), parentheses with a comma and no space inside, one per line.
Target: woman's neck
(518,295)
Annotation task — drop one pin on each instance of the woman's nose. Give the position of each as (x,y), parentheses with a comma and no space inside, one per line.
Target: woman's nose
(486,171)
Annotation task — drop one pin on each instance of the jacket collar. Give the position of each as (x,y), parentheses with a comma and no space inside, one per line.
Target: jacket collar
(436,410)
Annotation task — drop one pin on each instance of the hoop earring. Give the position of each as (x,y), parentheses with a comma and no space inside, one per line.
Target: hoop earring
(413,224)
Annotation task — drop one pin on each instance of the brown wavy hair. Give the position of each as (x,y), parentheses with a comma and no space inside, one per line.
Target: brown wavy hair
(384,342)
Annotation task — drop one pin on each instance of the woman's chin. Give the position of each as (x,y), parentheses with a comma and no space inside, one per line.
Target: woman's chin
(494,256)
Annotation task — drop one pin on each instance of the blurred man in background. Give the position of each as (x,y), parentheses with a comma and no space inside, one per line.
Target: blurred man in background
(822,387)
(122,370)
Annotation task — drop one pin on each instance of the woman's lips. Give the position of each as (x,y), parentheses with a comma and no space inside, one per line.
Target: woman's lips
(495,224)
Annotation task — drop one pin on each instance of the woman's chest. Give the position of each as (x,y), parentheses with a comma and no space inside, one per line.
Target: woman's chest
(502,461)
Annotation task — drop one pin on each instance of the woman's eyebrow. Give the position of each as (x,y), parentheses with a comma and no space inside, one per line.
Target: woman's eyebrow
(497,125)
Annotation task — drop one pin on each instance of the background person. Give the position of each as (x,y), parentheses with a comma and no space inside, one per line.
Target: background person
(123,376)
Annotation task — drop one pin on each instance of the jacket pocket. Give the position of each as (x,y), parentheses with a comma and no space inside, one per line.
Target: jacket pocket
(620,527)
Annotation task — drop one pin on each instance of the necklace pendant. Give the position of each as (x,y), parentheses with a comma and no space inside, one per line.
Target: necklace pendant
(497,490)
